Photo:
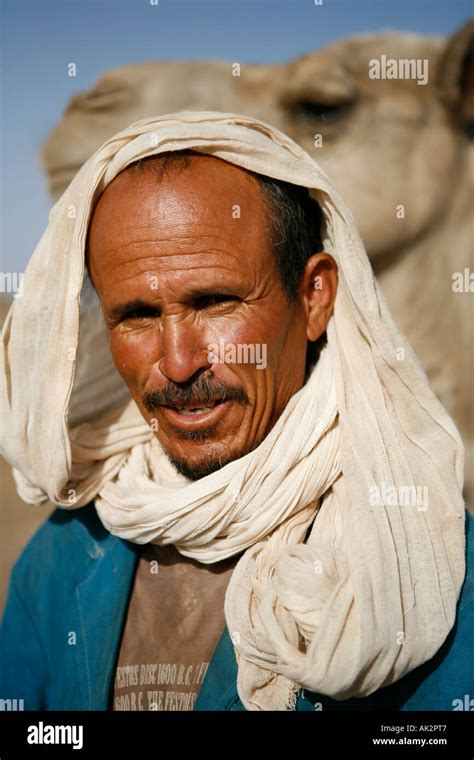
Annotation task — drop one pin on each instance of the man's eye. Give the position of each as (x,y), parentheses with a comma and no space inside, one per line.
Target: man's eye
(215,300)
(140,314)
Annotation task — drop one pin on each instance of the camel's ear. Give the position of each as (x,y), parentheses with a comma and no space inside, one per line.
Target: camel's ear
(456,76)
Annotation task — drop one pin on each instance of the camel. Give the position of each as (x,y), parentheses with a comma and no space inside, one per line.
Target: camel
(398,149)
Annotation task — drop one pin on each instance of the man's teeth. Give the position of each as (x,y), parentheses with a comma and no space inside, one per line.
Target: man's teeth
(198,410)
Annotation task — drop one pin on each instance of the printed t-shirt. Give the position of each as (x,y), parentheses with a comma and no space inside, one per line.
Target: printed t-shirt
(174,620)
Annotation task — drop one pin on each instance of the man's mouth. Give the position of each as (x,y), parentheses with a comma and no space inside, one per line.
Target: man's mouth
(196,413)
(196,408)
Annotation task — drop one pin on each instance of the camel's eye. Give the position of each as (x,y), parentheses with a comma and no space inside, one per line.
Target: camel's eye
(323,112)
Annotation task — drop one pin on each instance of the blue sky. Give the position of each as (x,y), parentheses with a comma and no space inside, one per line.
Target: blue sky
(40,37)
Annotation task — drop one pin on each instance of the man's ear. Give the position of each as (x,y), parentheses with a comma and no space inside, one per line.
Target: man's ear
(319,288)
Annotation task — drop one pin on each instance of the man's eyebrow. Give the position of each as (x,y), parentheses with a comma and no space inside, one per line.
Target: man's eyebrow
(121,310)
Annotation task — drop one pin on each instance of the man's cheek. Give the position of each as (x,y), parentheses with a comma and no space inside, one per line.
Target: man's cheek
(128,361)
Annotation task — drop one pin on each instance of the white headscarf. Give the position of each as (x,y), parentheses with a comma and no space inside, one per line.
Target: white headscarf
(370,593)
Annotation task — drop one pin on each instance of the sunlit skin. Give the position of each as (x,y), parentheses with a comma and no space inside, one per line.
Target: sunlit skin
(174,244)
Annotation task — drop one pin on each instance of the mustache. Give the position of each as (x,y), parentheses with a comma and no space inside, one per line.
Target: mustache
(200,392)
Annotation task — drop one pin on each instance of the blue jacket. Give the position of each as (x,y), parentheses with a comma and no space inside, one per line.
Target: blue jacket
(76,577)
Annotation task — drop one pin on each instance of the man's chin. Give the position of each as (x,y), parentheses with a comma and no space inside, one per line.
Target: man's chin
(195,467)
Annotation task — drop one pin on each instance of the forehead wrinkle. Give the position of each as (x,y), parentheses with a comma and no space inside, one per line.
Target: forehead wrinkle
(157,241)
(187,231)
(213,266)
(214,229)
(194,234)
(221,278)
(159,257)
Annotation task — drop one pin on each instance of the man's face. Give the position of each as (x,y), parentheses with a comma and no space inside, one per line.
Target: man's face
(185,274)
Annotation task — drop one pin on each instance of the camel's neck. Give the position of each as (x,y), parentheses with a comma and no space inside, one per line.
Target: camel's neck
(443,249)
(419,290)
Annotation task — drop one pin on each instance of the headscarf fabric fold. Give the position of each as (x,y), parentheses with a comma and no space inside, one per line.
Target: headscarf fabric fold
(346,582)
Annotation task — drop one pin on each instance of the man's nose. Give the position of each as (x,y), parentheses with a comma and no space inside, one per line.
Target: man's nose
(184,351)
